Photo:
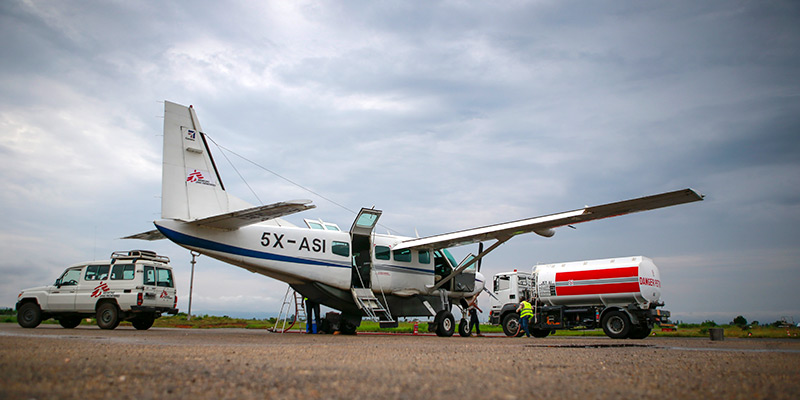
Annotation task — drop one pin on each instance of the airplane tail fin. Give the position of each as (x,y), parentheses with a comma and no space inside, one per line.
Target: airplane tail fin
(191,185)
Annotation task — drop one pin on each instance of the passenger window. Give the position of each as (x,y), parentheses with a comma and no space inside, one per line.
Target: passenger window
(149,276)
(381,253)
(341,248)
(96,272)
(315,225)
(122,272)
(402,255)
(164,277)
(424,257)
(70,277)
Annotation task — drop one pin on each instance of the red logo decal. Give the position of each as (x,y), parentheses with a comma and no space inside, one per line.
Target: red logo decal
(164,294)
(100,289)
(194,176)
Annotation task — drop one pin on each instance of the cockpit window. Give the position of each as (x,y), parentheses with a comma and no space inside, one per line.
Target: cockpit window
(424,257)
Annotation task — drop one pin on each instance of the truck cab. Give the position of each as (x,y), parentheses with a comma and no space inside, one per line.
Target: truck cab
(509,288)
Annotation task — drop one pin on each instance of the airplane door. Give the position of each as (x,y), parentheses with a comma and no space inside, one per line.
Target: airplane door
(361,243)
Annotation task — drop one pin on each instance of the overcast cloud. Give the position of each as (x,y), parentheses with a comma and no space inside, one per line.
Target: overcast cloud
(445,115)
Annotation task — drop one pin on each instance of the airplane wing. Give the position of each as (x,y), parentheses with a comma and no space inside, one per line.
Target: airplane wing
(543,225)
(237,219)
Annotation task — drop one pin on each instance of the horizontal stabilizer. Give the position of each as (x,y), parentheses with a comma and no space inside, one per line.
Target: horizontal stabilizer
(149,235)
(237,219)
(542,224)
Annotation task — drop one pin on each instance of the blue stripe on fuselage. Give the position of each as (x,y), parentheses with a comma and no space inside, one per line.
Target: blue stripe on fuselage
(184,239)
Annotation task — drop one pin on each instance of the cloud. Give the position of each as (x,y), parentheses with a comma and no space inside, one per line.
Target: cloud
(445,115)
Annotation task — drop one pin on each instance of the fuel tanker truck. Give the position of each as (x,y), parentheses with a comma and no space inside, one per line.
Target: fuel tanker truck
(621,295)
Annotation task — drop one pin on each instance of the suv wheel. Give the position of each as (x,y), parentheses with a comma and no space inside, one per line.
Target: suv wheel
(69,322)
(29,315)
(143,322)
(107,316)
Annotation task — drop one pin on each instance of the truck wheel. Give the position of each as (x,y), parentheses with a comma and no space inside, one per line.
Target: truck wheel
(616,325)
(511,326)
(445,324)
(69,322)
(107,316)
(540,333)
(143,322)
(29,315)
(463,328)
(640,332)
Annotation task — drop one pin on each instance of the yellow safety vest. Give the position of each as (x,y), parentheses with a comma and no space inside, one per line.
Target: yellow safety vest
(527,310)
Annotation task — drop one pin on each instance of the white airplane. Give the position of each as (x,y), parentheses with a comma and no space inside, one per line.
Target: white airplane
(360,273)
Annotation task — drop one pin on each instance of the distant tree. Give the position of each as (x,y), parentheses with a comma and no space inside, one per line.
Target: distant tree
(739,320)
(754,323)
(708,323)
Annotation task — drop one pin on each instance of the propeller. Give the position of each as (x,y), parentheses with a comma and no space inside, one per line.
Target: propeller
(480,250)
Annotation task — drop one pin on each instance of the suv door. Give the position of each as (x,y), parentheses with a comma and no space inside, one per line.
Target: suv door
(61,296)
(92,286)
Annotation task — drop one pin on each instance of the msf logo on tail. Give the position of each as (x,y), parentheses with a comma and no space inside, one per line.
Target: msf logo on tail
(197,177)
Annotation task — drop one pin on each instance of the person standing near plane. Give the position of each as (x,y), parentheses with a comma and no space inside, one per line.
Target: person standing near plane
(312,317)
(525,311)
(473,315)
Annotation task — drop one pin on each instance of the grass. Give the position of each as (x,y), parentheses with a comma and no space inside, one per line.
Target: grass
(211,322)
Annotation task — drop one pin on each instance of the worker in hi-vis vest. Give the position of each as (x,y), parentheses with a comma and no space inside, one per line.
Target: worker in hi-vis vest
(525,311)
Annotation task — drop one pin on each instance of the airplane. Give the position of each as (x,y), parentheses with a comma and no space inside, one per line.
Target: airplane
(361,273)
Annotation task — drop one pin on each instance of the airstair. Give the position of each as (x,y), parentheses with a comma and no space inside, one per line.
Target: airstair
(290,299)
(366,301)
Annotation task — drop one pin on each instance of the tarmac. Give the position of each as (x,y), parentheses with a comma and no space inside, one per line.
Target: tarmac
(88,363)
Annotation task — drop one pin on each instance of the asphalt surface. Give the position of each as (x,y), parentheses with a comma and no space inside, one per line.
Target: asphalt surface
(88,363)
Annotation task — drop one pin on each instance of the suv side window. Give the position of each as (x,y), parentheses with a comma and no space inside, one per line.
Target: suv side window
(96,272)
(149,276)
(164,277)
(70,277)
(122,272)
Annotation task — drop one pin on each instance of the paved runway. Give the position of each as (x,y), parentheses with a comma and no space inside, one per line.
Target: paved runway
(88,363)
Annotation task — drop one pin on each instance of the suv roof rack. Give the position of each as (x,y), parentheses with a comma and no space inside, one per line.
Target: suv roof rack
(143,254)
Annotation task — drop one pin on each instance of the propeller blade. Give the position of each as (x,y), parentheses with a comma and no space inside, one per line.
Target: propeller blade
(480,250)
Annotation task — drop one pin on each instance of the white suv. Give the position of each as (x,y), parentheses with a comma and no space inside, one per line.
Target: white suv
(134,285)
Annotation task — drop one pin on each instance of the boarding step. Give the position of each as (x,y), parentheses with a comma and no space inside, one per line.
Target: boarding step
(366,301)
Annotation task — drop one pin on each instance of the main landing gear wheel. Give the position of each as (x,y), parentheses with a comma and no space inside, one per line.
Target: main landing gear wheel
(445,324)
(616,325)
(463,328)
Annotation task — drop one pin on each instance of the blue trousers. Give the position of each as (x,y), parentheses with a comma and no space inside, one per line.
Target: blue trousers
(524,322)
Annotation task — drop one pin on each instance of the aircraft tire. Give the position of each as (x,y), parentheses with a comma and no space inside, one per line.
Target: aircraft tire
(463,328)
(616,325)
(69,322)
(445,324)
(29,315)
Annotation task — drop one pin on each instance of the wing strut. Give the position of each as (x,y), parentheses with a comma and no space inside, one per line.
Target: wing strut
(466,265)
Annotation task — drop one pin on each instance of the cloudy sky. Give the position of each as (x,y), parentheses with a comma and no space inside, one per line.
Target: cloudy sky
(445,115)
